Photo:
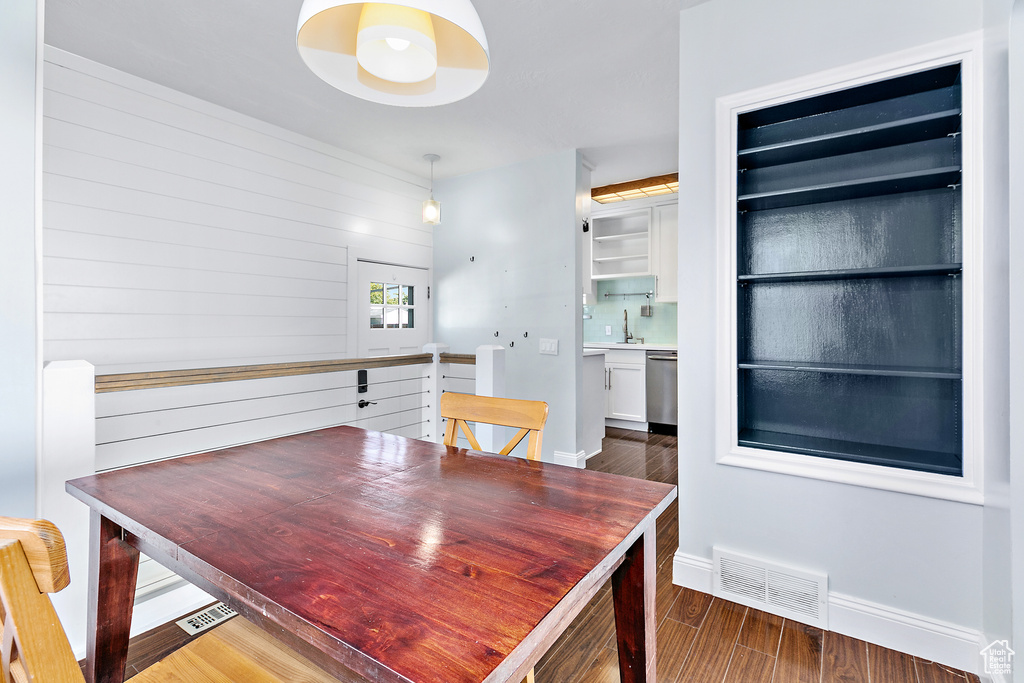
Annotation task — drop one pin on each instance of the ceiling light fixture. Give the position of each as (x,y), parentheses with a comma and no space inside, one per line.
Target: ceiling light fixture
(431,207)
(411,53)
(636,189)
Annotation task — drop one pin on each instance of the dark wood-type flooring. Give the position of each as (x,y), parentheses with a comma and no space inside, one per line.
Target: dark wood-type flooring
(700,638)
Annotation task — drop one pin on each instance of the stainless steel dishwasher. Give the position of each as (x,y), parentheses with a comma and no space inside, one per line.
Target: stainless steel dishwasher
(662,388)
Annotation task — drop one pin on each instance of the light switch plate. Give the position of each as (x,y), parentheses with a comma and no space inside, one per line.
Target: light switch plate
(608,330)
(549,347)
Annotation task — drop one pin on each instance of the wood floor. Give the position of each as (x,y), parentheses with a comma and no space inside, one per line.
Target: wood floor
(700,638)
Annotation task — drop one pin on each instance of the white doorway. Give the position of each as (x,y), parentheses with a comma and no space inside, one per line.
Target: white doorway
(392,309)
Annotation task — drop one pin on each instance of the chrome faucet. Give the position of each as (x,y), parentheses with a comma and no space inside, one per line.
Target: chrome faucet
(626,336)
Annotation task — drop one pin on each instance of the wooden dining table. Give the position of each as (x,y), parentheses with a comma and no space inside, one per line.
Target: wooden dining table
(398,559)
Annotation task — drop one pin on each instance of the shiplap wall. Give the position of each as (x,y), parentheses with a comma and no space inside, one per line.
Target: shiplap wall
(178,233)
(181,234)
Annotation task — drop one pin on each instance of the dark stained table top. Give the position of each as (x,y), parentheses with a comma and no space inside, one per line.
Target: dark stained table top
(401,559)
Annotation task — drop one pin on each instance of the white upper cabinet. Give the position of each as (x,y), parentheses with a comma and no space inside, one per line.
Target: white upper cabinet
(665,252)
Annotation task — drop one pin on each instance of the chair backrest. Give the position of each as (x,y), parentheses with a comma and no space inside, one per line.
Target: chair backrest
(33,562)
(527,416)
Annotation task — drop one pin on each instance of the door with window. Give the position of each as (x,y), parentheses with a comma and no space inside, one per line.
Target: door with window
(393,309)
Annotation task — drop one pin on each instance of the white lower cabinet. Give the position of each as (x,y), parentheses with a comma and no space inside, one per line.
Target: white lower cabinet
(626,391)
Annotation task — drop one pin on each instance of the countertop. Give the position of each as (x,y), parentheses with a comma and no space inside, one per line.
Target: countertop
(639,347)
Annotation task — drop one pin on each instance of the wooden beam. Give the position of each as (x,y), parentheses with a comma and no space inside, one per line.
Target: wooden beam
(635,184)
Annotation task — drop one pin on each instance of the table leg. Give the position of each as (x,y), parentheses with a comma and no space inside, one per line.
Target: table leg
(633,585)
(113,570)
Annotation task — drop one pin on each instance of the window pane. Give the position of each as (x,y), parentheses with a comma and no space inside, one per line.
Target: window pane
(391,318)
(408,318)
(376,292)
(393,294)
(407,295)
(376,317)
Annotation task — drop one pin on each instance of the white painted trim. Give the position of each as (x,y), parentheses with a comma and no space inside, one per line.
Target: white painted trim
(966,49)
(898,629)
(890,627)
(690,571)
(577,460)
(625,424)
(604,210)
(37,221)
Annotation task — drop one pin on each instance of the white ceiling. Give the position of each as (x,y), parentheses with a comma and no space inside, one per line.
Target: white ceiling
(597,75)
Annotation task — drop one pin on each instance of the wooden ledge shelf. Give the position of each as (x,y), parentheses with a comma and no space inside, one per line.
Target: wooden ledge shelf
(458,358)
(855,273)
(178,378)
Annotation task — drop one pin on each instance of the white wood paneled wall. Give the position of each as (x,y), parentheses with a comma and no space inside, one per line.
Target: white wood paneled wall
(181,234)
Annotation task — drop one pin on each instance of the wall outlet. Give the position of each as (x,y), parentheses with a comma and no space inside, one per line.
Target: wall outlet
(608,330)
(549,347)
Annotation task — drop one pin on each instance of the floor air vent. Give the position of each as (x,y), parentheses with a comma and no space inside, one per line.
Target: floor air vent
(208,618)
(798,595)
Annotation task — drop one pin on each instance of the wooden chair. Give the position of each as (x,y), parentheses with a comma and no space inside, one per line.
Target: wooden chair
(33,562)
(528,416)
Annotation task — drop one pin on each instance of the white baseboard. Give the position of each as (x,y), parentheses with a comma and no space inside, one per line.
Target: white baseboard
(889,627)
(626,424)
(898,629)
(577,460)
(692,572)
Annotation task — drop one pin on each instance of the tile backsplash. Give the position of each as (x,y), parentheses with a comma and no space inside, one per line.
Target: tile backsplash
(660,328)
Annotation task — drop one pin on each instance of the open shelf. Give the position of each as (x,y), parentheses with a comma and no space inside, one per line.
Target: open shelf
(912,129)
(848,299)
(855,273)
(872,454)
(852,189)
(624,257)
(621,236)
(849,369)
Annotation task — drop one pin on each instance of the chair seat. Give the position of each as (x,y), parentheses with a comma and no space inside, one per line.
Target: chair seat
(237,651)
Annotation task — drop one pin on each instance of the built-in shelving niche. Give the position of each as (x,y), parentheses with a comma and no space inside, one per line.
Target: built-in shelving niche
(849,274)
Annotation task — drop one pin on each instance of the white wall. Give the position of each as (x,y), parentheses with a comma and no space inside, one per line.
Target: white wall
(19,37)
(178,233)
(996,577)
(1016,253)
(517,223)
(912,554)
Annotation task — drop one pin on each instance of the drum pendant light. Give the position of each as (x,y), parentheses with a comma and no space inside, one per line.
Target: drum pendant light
(412,53)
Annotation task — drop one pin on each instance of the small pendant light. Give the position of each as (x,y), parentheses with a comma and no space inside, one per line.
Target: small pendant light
(431,207)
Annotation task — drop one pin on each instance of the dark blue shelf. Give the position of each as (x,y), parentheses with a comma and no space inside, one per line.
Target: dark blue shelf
(871,454)
(852,189)
(855,273)
(913,129)
(848,369)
